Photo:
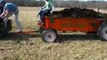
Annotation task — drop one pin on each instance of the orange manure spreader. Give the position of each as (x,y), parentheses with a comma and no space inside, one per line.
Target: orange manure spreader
(51,25)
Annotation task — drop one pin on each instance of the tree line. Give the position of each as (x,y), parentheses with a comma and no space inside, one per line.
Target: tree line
(60,3)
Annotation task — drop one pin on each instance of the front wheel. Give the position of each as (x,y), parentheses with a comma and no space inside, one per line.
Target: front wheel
(49,36)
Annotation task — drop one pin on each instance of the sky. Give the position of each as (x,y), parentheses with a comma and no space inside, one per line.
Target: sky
(85,0)
(93,0)
(80,0)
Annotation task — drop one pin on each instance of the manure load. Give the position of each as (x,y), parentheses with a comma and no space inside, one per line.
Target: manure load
(76,13)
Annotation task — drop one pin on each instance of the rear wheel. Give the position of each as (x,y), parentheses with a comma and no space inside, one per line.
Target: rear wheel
(49,36)
(103,32)
(5,29)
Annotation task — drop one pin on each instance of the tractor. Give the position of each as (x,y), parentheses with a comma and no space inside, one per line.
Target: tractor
(4,27)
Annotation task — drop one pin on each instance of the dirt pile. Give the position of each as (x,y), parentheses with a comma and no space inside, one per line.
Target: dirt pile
(76,13)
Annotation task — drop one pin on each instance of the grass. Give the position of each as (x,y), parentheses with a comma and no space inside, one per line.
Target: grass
(31,47)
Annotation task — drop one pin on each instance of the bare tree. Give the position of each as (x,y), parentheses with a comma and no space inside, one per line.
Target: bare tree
(59,3)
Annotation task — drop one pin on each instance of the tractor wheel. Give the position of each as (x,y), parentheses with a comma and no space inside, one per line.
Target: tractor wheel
(49,36)
(103,32)
(5,29)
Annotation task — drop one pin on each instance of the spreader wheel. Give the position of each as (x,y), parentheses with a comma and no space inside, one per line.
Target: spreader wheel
(103,32)
(49,36)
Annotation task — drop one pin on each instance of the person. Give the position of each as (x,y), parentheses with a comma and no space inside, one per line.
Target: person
(9,10)
(45,10)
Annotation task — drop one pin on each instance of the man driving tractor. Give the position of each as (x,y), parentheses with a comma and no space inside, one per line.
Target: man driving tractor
(45,10)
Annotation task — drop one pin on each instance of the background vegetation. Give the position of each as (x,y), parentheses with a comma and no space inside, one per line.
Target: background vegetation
(60,3)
